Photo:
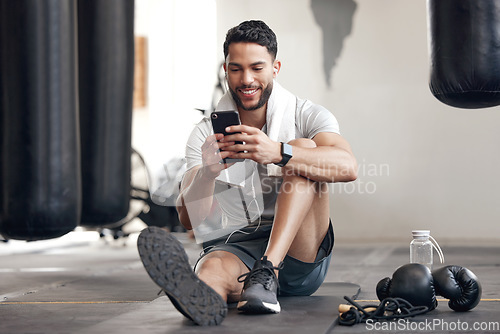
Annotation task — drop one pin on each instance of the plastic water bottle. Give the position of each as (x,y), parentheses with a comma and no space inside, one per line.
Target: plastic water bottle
(421,248)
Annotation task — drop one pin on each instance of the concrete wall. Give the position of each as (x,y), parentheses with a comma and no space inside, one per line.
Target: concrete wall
(422,164)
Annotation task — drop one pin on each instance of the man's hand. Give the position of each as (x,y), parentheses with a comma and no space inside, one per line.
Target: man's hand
(197,186)
(211,155)
(258,146)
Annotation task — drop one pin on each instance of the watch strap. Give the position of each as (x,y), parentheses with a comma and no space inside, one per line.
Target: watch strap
(285,157)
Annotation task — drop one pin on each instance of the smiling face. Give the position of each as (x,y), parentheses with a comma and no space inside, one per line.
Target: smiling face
(250,72)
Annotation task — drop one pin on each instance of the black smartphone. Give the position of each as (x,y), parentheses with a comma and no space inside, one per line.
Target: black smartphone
(220,121)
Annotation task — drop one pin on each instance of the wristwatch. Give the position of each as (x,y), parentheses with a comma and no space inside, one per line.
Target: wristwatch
(286,154)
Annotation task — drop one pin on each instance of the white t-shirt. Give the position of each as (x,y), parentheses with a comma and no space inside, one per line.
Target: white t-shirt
(237,206)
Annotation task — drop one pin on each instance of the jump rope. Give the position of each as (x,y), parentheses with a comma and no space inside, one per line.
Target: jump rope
(388,309)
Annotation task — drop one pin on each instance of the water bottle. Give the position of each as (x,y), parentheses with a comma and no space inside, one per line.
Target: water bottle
(421,248)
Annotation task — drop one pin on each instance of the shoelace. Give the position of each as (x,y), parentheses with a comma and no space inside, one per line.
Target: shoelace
(388,309)
(261,275)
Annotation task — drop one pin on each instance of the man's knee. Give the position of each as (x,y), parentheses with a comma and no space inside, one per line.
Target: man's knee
(298,142)
(290,175)
(220,265)
(211,263)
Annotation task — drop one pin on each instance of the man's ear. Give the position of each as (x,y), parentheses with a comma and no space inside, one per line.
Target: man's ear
(276,68)
(224,67)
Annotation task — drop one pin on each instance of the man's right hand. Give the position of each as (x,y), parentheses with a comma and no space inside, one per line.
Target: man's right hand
(212,155)
(198,183)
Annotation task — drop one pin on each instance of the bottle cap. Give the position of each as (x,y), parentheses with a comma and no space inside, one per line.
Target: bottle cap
(421,233)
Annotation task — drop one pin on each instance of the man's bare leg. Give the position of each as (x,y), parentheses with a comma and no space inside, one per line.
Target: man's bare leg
(301,217)
(220,270)
(300,224)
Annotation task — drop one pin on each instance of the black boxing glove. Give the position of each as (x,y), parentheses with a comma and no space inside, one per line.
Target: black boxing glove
(412,282)
(459,285)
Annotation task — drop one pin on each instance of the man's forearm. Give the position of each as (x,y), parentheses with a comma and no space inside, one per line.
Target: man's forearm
(324,164)
(196,199)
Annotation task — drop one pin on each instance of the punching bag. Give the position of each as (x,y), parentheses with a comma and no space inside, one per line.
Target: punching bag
(106,63)
(464,45)
(40,194)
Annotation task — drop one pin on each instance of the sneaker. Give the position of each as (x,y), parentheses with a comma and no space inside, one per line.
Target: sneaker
(167,264)
(260,289)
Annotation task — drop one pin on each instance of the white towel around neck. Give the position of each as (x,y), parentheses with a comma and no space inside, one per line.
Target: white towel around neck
(280,120)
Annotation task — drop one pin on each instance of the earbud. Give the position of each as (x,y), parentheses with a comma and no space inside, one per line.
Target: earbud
(276,71)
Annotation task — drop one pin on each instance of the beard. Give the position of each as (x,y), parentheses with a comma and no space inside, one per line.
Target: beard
(264,97)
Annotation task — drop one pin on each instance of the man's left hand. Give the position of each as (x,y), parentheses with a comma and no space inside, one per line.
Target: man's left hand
(257,145)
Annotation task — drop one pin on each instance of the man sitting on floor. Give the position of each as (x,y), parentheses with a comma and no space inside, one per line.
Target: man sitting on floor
(294,149)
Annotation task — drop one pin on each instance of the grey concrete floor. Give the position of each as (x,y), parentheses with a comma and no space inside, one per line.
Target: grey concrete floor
(81,283)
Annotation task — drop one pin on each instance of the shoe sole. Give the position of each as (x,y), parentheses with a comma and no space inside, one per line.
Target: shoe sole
(167,263)
(257,306)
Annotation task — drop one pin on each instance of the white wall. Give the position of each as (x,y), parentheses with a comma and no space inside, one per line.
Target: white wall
(181,74)
(443,160)
(422,164)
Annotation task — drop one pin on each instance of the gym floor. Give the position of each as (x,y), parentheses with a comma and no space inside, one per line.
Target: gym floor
(81,283)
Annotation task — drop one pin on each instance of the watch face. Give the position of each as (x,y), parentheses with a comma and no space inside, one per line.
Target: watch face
(286,154)
(287,149)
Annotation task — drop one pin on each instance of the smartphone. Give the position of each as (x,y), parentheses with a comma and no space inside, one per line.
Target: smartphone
(220,121)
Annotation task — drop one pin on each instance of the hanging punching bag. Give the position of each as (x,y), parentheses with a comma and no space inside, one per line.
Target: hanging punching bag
(464,43)
(106,63)
(39,140)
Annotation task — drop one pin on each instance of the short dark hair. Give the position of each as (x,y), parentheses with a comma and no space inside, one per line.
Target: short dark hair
(253,31)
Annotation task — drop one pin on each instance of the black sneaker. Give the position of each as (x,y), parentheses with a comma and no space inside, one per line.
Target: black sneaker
(168,265)
(260,289)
